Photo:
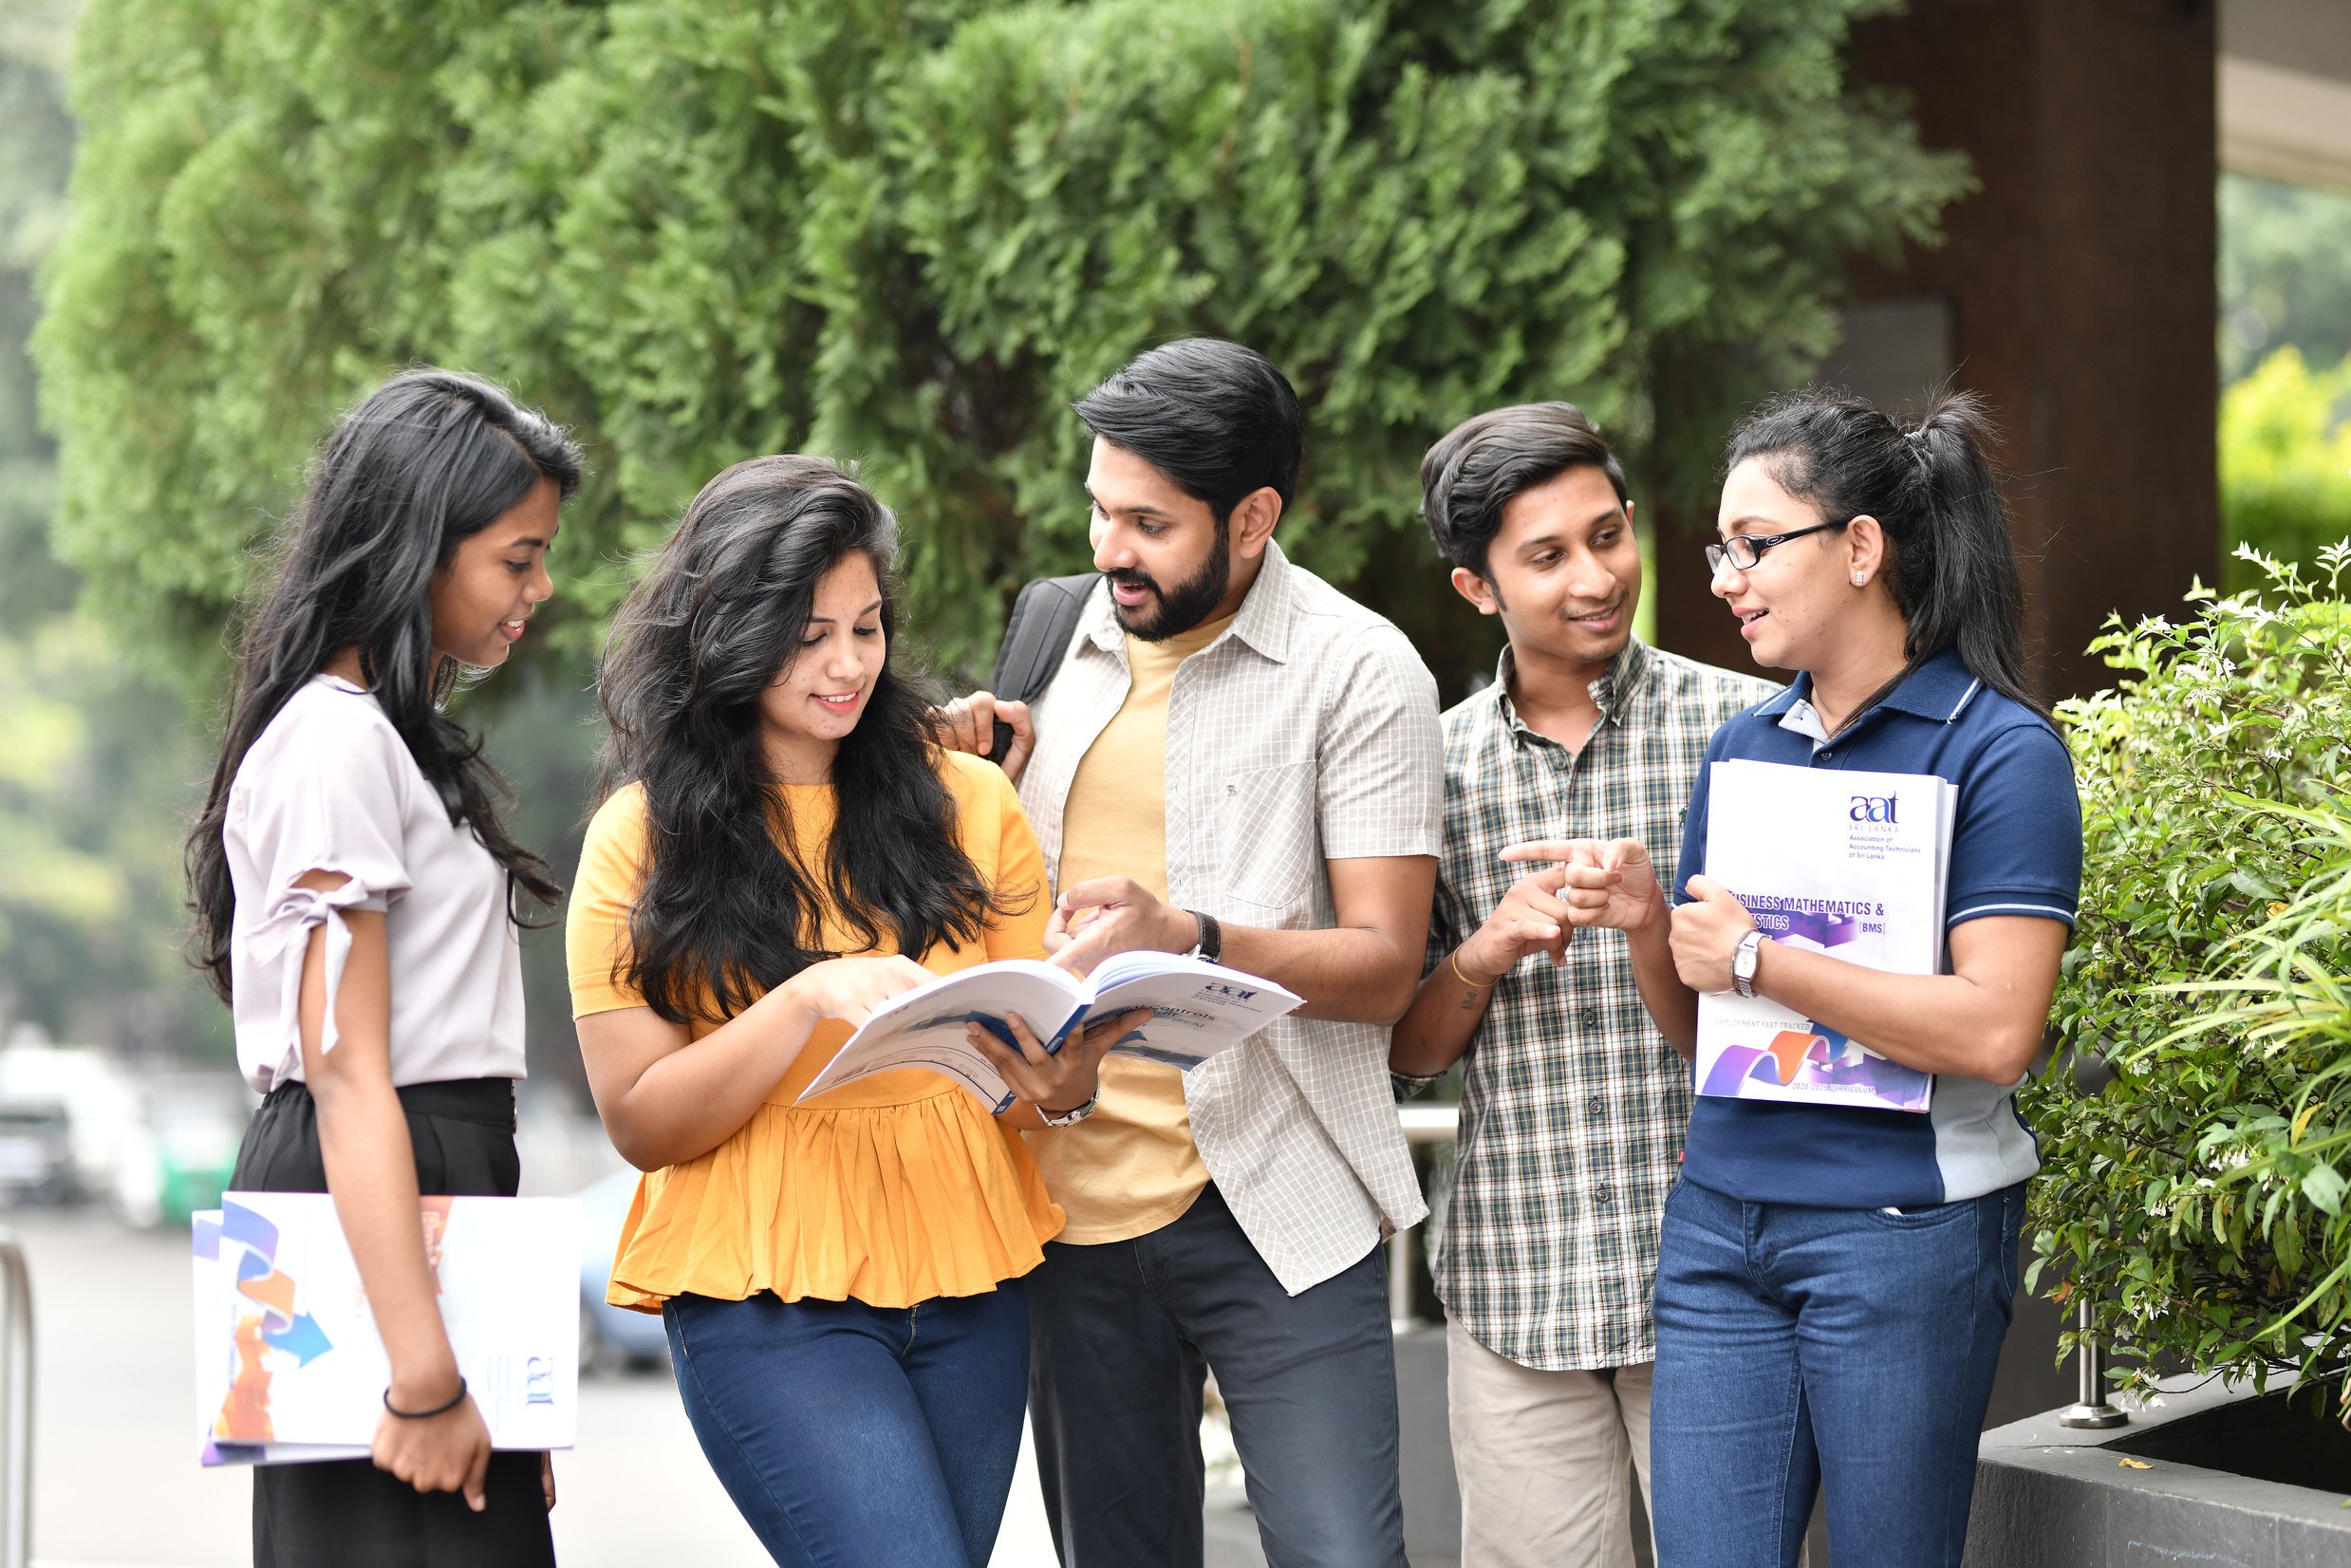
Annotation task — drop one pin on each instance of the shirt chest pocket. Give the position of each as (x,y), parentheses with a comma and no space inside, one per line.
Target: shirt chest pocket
(1267,842)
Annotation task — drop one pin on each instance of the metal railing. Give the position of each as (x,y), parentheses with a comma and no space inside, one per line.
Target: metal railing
(2091,1407)
(1423,1124)
(15,1407)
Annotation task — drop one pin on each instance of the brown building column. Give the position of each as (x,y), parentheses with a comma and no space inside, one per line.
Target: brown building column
(2076,293)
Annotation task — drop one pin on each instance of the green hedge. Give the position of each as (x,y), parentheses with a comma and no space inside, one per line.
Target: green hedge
(2199,1196)
(910,230)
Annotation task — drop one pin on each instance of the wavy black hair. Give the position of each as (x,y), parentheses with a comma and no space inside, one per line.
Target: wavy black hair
(724,912)
(422,464)
(1936,493)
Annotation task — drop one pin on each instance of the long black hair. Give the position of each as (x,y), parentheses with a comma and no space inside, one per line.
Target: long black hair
(1936,493)
(723,911)
(425,461)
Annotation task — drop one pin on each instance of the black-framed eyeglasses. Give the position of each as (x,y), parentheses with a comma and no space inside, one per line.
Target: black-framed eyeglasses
(1744,550)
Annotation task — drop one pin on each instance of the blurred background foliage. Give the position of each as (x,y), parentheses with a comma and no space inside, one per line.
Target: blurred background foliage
(2285,366)
(910,232)
(905,232)
(94,752)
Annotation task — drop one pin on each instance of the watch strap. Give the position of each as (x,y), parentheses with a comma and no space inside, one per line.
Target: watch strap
(1072,1116)
(1744,960)
(1210,945)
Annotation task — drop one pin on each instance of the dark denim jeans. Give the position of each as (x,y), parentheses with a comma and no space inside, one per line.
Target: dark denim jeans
(855,1436)
(1843,1351)
(1121,1333)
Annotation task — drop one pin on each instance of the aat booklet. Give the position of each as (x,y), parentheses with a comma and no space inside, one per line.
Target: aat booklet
(1198,1009)
(1850,864)
(288,1366)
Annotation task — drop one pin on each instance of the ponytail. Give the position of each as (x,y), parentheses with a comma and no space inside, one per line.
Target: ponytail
(1931,486)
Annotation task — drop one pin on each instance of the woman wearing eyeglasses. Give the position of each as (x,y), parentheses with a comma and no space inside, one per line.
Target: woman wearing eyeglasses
(1834,1283)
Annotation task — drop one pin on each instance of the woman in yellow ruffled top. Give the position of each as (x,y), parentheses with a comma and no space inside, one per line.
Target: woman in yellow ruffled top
(781,847)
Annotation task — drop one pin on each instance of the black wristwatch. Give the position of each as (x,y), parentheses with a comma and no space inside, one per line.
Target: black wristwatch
(1211,942)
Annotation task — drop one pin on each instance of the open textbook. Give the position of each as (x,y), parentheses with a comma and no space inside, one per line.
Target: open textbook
(288,1366)
(1852,864)
(1198,1009)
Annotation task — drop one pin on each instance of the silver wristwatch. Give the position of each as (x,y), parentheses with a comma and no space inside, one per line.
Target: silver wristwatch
(1743,962)
(1071,1117)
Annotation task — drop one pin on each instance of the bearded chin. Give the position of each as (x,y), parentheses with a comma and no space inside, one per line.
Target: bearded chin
(1191,602)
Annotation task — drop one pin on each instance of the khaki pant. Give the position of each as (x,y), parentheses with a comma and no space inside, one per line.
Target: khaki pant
(1541,1456)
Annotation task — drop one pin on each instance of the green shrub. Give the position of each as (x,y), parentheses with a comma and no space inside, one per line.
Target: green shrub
(912,231)
(2199,1198)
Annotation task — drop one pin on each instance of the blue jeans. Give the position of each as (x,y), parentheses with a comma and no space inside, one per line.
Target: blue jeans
(1844,1351)
(859,1437)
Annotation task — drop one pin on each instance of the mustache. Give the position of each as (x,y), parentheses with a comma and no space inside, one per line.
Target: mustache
(1129,577)
(1609,609)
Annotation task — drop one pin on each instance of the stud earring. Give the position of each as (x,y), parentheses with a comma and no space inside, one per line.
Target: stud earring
(1859,581)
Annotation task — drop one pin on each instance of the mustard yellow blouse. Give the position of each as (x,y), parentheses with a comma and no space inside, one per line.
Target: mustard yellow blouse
(890,1191)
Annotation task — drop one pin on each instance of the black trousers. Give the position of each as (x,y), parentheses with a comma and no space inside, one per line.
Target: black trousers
(344,1511)
(1120,1336)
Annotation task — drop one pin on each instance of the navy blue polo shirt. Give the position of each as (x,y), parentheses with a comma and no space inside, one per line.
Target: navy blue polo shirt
(2016,849)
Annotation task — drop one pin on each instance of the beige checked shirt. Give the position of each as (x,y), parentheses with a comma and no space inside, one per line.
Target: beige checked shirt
(1306,733)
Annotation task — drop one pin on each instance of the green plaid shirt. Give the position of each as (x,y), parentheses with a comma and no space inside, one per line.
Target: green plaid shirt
(1573,1105)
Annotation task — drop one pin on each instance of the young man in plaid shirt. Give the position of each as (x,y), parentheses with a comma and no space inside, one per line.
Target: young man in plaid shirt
(1572,1106)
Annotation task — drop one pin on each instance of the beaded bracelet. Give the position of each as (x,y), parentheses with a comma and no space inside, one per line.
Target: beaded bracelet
(455,1400)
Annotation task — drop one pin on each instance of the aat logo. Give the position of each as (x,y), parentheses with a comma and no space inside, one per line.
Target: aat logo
(1874,808)
(539,1381)
(1217,988)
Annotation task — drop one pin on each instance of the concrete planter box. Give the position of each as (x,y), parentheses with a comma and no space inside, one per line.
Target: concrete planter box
(2232,1480)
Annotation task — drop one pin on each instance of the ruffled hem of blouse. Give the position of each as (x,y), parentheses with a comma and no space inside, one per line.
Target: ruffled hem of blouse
(884,1205)
(285,933)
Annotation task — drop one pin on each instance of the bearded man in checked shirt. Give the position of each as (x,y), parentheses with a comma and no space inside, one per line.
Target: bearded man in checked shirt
(1573,1105)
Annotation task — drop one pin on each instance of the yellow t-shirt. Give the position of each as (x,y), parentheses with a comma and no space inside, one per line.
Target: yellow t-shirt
(1131,1167)
(890,1191)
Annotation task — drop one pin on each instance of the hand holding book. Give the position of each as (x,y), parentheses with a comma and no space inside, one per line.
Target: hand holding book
(1054,1081)
(1164,1007)
(1705,933)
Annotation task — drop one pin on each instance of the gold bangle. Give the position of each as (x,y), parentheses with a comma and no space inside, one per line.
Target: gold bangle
(1454,959)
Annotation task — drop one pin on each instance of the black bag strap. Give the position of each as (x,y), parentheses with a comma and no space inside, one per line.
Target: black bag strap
(1043,618)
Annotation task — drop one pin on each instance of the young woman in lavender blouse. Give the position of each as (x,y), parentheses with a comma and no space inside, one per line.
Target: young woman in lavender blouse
(353,894)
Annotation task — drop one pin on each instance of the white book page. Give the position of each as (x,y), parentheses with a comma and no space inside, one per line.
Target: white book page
(923,1028)
(286,1340)
(1198,1008)
(1845,862)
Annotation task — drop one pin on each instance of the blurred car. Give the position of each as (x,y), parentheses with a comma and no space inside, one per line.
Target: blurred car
(37,1153)
(93,1090)
(178,1155)
(612,1338)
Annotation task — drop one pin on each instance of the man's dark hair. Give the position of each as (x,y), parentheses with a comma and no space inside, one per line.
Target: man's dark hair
(1472,472)
(1216,418)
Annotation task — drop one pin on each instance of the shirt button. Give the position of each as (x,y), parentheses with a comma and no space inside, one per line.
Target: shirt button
(1603,1194)
(1595,1108)
(1591,1017)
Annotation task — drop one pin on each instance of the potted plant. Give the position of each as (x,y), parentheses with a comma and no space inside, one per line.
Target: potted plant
(2195,1133)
